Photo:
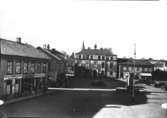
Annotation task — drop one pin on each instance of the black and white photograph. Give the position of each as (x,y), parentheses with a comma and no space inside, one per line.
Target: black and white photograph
(83,59)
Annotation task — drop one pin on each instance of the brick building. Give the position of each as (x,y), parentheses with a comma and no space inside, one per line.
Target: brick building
(23,69)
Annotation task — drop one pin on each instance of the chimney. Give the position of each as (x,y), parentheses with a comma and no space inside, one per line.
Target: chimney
(18,40)
(95,46)
(48,47)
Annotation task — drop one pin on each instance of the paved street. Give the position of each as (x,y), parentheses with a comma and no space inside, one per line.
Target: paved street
(92,104)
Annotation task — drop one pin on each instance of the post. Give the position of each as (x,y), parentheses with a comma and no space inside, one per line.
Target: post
(134,70)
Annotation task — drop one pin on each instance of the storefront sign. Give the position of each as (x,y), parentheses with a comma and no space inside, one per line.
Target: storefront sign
(145,74)
(39,75)
(8,77)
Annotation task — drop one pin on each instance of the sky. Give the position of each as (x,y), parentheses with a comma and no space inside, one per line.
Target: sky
(65,24)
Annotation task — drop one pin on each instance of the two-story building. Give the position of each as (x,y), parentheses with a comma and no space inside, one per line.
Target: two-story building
(56,66)
(143,68)
(23,68)
(101,62)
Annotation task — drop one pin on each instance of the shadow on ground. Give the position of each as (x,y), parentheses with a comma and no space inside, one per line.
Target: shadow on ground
(75,104)
(91,83)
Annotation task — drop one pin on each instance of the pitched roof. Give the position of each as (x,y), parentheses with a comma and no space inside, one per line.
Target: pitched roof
(20,49)
(106,52)
(49,53)
(59,54)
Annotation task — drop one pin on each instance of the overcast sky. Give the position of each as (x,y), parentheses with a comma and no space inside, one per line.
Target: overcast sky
(65,24)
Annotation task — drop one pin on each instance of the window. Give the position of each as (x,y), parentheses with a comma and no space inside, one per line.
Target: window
(124,68)
(135,69)
(145,69)
(114,57)
(79,56)
(44,68)
(111,58)
(38,68)
(25,68)
(111,65)
(103,57)
(92,57)
(18,67)
(150,69)
(130,69)
(99,57)
(103,65)
(140,69)
(10,67)
(32,68)
(95,57)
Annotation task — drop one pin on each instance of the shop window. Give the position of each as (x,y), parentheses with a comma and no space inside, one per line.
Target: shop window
(18,67)
(10,67)
(25,68)
(8,82)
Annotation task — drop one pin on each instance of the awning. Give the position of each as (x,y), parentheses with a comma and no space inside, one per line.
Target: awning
(145,74)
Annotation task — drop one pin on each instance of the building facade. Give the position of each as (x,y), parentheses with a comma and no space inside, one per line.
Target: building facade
(159,64)
(100,62)
(56,66)
(143,68)
(23,69)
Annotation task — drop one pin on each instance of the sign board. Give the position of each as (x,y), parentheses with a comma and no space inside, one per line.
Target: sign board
(9,77)
(39,75)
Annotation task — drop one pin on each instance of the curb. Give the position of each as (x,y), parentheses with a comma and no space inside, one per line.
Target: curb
(25,98)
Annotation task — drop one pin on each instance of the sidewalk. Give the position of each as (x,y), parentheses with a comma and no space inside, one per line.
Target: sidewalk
(155,97)
(25,98)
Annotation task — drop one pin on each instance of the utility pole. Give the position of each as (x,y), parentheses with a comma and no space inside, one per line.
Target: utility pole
(134,70)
